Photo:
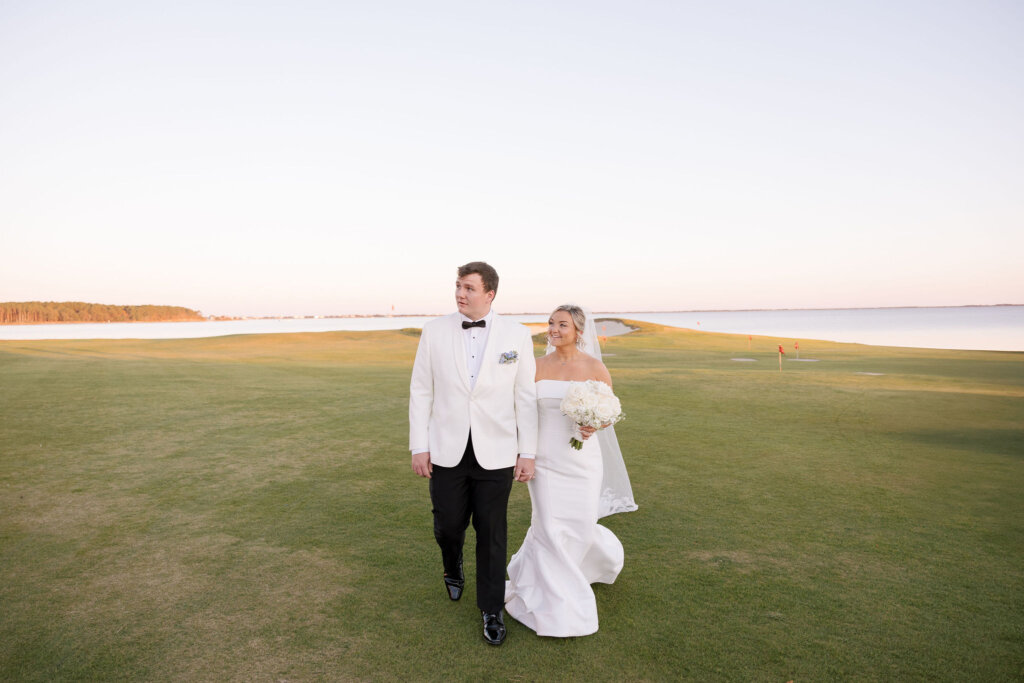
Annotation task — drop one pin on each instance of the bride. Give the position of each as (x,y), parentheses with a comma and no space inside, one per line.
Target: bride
(565,549)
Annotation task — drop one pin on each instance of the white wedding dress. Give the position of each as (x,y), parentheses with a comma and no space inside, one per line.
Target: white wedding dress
(565,549)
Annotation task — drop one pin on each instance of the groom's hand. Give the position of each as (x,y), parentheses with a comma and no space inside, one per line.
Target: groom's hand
(524,469)
(421,464)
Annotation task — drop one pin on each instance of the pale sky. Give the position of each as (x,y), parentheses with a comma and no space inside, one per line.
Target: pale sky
(261,158)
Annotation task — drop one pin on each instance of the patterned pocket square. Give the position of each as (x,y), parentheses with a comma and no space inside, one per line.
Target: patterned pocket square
(508,357)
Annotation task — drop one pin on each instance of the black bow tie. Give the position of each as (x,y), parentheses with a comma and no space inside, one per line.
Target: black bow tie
(479,323)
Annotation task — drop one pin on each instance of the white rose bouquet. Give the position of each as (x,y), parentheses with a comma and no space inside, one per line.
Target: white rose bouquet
(590,404)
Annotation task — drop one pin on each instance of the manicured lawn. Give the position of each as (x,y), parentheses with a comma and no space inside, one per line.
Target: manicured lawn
(243,508)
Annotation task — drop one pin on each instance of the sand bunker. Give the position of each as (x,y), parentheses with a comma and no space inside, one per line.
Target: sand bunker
(612,328)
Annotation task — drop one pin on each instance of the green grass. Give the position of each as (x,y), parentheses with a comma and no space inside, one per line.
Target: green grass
(243,508)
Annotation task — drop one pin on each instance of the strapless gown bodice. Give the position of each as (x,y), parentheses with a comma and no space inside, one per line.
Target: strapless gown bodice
(565,549)
(554,431)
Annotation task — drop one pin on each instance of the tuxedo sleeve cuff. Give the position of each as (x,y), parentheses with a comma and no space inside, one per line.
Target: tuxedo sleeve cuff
(528,456)
(417,451)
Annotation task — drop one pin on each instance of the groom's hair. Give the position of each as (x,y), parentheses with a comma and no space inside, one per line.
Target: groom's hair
(487,273)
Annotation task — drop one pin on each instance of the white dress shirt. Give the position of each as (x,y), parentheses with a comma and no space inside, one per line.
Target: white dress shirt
(476,342)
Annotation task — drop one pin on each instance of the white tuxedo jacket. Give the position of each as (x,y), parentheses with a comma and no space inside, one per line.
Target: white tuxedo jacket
(501,409)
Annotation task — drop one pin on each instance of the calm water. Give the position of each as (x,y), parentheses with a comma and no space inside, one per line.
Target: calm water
(998,328)
(990,327)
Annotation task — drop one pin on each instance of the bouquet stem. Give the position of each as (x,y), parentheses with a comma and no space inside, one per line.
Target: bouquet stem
(577,437)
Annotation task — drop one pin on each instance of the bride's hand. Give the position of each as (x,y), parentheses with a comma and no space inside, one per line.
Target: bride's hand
(524,469)
(587,432)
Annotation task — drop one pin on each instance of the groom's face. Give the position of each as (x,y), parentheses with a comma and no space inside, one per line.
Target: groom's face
(470,297)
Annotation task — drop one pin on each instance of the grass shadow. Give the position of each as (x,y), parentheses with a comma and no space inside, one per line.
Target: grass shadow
(986,441)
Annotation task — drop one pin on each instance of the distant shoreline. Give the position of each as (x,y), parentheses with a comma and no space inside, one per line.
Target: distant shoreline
(226,318)
(48,312)
(609,312)
(117,322)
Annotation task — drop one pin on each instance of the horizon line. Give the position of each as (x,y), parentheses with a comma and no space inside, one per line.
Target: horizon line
(608,312)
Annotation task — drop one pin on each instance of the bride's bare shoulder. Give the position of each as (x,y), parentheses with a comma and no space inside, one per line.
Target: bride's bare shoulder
(543,368)
(598,371)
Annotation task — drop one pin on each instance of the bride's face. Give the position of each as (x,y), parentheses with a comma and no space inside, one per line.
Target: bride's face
(561,330)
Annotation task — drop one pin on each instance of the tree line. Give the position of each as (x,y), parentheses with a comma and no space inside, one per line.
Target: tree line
(78,311)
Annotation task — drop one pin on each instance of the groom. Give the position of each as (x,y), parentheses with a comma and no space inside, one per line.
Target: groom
(472,430)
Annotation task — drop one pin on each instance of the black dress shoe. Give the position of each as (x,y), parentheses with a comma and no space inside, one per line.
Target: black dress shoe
(454,587)
(454,584)
(494,628)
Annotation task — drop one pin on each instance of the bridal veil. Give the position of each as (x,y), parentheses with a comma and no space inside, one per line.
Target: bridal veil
(616,492)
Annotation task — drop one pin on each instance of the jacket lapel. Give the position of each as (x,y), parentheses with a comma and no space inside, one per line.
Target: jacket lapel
(460,349)
(497,326)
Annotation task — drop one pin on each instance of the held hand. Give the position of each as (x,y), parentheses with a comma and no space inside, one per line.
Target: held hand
(586,432)
(421,464)
(524,469)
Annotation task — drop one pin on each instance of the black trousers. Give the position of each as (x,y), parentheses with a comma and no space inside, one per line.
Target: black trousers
(464,492)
